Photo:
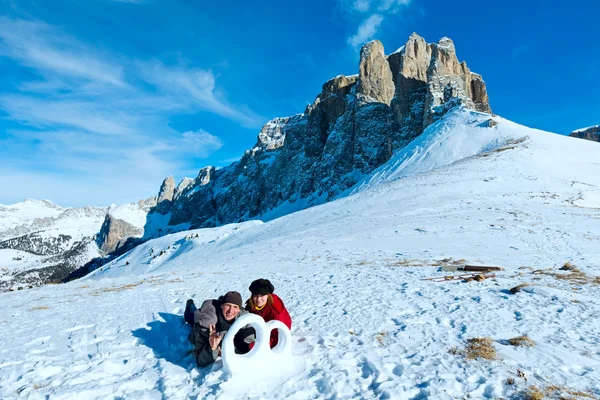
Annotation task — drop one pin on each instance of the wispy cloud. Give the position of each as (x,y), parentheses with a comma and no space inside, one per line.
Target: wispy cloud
(201,142)
(373,14)
(197,88)
(96,114)
(37,45)
(366,31)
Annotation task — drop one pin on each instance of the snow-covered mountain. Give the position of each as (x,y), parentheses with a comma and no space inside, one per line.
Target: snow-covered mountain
(41,242)
(473,189)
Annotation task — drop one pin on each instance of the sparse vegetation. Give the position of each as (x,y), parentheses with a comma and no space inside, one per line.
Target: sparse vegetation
(521,341)
(555,392)
(518,288)
(477,348)
(533,393)
(568,267)
(480,348)
(39,308)
(115,288)
(380,338)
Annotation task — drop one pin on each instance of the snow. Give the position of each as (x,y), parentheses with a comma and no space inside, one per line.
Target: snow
(365,323)
(26,212)
(15,259)
(130,213)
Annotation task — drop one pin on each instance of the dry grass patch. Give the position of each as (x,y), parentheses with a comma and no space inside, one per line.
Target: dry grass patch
(480,348)
(521,341)
(518,288)
(533,393)
(407,262)
(568,267)
(116,288)
(445,262)
(555,392)
(364,262)
(561,391)
(477,348)
(574,275)
(380,338)
(39,308)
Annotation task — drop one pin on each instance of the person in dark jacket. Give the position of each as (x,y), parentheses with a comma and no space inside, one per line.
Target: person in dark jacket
(268,305)
(211,322)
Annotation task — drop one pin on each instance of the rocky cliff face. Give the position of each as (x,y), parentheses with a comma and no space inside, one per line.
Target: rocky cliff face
(125,222)
(592,133)
(354,125)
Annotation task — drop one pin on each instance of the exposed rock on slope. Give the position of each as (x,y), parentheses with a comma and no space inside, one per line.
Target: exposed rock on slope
(127,221)
(592,133)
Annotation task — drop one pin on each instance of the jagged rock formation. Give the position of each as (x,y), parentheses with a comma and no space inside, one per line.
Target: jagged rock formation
(127,221)
(114,232)
(165,195)
(354,125)
(374,74)
(592,133)
(429,81)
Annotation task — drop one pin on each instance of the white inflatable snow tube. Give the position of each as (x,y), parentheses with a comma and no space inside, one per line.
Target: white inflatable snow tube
(261,358)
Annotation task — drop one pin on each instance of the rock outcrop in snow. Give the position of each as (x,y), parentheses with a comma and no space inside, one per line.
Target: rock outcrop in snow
(592,133)
(354,126)
(127,221)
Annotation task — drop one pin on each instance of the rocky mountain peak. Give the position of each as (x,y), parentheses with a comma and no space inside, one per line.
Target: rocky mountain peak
(374,74)
(205,175)
(165,195)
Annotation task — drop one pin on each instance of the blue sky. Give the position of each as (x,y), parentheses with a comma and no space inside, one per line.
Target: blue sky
(101,99)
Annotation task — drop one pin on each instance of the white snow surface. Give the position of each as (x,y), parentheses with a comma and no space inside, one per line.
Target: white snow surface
(365,323)
(131,213)
(26,212)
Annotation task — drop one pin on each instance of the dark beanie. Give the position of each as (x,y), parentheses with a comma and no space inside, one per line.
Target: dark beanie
(262,287)
(233,298)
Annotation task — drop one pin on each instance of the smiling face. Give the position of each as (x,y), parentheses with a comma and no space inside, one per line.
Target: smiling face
(259,299)
(230,311)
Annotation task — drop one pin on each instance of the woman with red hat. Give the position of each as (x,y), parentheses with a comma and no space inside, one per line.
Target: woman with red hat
(268,305)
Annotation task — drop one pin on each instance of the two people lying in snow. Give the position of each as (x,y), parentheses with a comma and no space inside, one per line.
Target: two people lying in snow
(215,317)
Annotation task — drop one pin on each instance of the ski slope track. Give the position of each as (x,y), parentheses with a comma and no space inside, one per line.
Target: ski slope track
(365,323)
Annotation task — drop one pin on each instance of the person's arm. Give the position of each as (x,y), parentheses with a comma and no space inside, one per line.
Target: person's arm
(203,352)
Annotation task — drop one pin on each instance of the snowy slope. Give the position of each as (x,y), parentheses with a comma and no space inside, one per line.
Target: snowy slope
(365,323)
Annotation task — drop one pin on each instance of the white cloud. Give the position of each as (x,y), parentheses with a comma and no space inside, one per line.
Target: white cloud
(86,115)
(42,48)
(363,6)
(201,142)
(198,87)
(391,5)
(378,9)
(366,31)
